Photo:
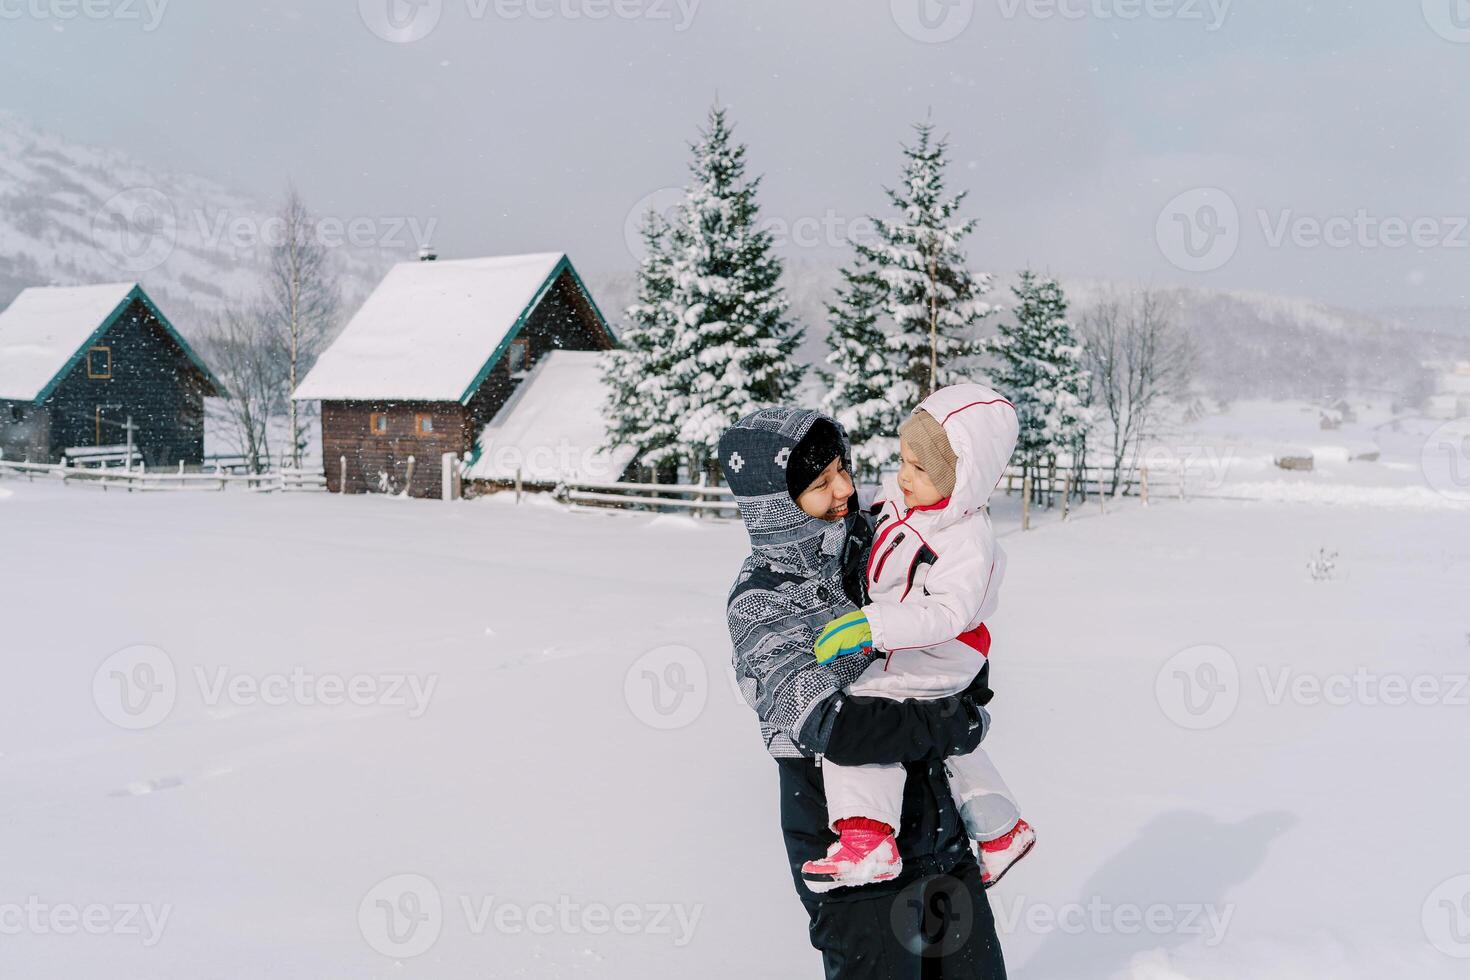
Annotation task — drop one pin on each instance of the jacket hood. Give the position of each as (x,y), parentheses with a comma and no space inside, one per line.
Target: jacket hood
(753,456)
(982,429)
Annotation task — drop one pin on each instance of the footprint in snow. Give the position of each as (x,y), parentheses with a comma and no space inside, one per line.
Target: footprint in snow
(145,786)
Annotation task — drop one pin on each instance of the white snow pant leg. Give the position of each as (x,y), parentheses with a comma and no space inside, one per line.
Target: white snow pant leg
(875,792)
(986,803)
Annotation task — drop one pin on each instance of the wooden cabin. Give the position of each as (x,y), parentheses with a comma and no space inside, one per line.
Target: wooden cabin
(430,358)
(82,365)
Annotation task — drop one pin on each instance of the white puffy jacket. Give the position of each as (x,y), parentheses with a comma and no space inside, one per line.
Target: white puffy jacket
(935,572)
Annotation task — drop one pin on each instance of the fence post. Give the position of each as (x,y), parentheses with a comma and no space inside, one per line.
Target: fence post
(449,462)
(1182,471)
(1143,485)
(408,478)
(1067,498)
(518,484)
(1026,502)
(699,494)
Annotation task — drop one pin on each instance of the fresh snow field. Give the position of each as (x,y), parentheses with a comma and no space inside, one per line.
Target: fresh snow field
(1236,769)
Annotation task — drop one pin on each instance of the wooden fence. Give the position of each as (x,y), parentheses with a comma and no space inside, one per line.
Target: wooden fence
(131,479)
(1061,486)
(689,498)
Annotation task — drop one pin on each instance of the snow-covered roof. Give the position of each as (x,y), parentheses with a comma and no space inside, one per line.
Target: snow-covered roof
(45,330)
(553,426)
(432,330)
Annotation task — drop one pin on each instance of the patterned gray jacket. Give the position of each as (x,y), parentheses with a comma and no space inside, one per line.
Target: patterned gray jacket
(789,587)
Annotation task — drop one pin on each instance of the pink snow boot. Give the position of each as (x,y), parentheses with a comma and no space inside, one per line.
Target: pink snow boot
(865,852)
(1000,855)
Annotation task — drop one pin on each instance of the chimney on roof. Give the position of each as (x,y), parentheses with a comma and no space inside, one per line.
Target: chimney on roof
(427,253)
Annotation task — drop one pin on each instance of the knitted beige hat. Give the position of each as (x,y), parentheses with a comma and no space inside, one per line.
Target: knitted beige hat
(925,437)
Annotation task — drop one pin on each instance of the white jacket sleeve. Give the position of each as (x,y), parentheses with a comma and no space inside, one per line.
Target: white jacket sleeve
(962,586)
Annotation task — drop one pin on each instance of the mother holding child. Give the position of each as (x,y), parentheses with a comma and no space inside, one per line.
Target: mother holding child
(859,640)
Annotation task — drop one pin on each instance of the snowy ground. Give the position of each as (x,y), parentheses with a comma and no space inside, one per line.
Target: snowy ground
(1236,769)
(1377,457)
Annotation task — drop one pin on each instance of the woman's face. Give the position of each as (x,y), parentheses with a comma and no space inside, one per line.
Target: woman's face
(827,497)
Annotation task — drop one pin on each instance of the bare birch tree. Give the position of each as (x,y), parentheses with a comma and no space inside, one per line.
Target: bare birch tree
(245,356)
(1139,361)
(301,298)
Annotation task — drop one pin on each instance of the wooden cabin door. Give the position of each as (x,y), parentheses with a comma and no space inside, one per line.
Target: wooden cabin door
(110,426)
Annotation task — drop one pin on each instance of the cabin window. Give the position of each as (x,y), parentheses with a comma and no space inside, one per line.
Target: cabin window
(378,424)
(518,358)
(99,363)
(423,424)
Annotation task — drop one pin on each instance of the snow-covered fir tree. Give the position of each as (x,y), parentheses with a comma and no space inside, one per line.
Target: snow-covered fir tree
(931,297)
(1040,370)
(866,389)
(734,344)
(638,374)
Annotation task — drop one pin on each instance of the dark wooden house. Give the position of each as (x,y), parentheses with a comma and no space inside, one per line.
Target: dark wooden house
(78,364)
(432,355)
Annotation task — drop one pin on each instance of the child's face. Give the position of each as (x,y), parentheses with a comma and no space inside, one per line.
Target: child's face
(918,489)
(828,495)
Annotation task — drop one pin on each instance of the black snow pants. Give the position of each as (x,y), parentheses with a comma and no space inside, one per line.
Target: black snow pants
(934,921)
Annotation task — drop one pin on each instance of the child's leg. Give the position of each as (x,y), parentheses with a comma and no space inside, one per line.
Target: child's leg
(986,803)
(864,804)
(875,792)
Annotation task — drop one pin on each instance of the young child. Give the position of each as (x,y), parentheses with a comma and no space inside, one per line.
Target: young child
(933,576)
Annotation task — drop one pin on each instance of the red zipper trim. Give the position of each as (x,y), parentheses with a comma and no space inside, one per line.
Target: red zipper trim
(993,401)
(878,544)
(884,560)
(907,588)
(883,535)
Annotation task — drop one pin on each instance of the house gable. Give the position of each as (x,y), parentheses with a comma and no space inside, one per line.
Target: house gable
(79,356)
(434,331)
(563,284)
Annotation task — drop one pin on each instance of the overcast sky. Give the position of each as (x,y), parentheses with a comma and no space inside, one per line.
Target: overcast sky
(1311,148)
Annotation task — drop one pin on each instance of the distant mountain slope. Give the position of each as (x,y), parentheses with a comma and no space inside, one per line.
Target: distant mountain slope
(74,214)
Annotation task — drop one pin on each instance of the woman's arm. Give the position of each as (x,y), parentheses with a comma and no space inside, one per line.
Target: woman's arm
(854,731)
